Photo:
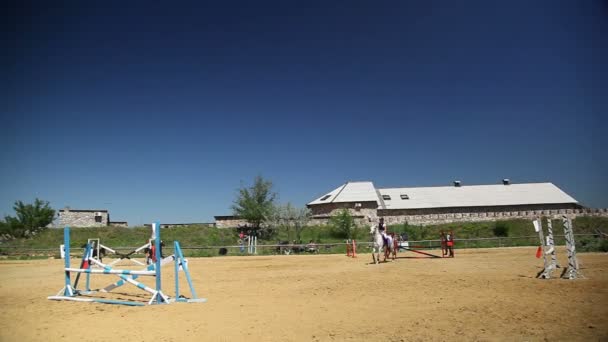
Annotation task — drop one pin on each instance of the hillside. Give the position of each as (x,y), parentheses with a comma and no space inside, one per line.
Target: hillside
(204,241)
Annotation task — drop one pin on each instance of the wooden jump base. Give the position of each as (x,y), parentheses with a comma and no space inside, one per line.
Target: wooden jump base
(70,293)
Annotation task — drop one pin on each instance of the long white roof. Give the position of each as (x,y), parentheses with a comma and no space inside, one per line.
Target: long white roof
(474,196)
(448,196)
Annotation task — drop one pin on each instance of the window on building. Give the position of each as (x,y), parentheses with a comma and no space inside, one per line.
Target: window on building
(404,196)
(386,197)
(97,218)
(325,197)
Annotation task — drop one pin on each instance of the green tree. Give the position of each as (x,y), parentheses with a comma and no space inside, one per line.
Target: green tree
(30,218)
(255,204)
(344,223)
(288,216)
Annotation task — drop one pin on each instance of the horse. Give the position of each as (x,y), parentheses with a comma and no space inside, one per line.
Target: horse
(379,243)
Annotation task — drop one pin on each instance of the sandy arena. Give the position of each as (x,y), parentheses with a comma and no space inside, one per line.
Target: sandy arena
(484,294)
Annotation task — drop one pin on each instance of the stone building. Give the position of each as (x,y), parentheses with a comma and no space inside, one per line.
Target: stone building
(84,218)
(87,218)
(445,204)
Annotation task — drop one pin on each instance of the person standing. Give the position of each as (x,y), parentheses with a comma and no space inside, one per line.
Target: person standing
(444,246)
(450,243)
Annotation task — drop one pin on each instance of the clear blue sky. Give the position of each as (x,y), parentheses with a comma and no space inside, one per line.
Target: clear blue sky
(163,111)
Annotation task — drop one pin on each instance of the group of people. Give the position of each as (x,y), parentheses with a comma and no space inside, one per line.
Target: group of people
(151,252)
(391,240)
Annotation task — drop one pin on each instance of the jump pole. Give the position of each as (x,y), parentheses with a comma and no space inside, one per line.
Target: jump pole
(67,290)
(179,257)
(135,276)
(159,297)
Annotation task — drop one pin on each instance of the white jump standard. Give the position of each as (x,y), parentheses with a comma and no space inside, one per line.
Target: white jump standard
(69,292)
(547,245)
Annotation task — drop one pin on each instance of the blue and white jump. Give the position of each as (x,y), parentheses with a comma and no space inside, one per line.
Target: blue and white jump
(69,292)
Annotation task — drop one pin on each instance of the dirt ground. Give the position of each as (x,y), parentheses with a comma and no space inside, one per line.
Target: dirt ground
(484,294)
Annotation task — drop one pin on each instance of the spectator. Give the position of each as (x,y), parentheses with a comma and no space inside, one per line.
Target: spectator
(444,247)
(311,247)
(450,244)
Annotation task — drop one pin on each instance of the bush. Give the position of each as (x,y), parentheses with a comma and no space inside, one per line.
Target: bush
(344,225)
(501,229)
(604,246)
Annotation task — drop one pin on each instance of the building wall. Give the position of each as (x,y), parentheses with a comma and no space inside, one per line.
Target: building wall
(230,222)
(119,224)
(82,219)
(331,209)
(453,215)
(438,218)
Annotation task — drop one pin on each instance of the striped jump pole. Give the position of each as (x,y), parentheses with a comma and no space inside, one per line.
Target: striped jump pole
(110,271)
(84,263)
(132,281)
(179,260)
(159,297)
(572,271)
(120,283)
(67,290)
(98,300)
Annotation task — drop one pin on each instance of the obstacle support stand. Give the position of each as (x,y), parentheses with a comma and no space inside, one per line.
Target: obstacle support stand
(69,292)
(547,246)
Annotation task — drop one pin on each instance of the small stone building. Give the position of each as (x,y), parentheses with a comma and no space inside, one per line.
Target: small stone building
(445,204)
(84,218)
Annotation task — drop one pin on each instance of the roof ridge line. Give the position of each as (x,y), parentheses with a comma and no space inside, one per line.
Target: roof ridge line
(339,192)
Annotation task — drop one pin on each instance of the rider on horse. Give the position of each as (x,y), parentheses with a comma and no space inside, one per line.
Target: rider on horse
(383,232)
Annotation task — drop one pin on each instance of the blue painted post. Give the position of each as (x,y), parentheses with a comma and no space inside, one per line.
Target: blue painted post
(85,256)
(66,247)
(175,248)
(88,252)
(180,255)
(157,246)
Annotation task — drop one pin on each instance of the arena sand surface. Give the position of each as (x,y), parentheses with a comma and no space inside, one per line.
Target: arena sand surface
(484,294)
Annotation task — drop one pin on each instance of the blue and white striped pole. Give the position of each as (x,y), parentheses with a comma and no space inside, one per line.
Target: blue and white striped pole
(157,252)
(159,298)
(180,256)
(177,260)
(66,245)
